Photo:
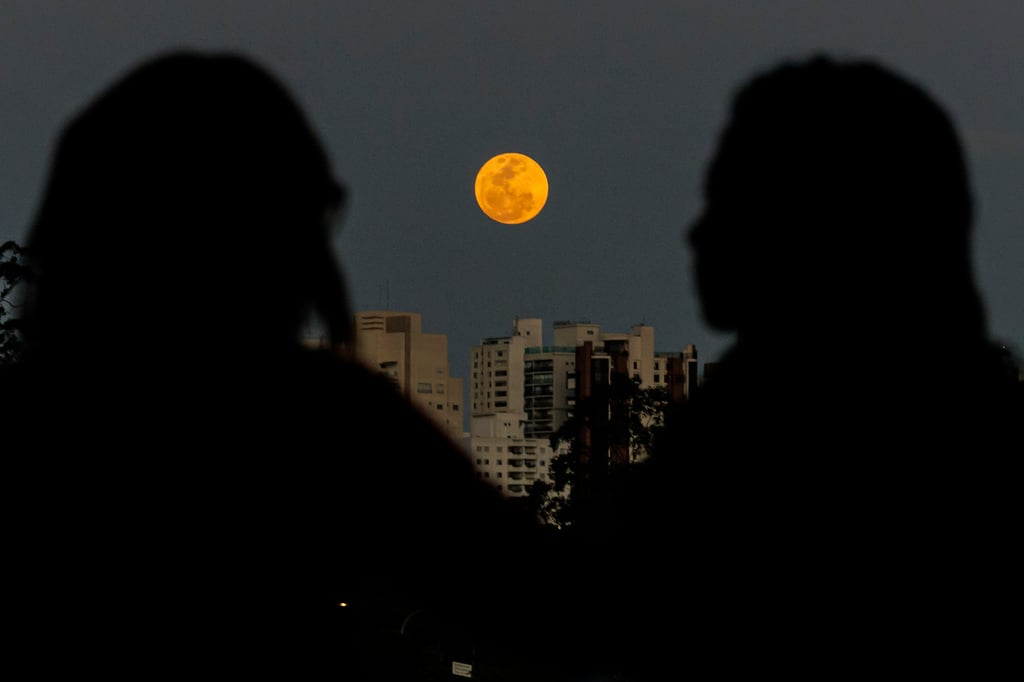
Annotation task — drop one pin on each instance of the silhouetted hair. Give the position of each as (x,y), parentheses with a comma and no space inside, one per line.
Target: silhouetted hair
(837,189)
(188,203)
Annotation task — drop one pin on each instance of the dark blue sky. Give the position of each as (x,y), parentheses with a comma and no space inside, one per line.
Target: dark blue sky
(619,101)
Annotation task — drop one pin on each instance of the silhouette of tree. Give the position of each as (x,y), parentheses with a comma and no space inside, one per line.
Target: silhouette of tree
(13,271)
(607,434)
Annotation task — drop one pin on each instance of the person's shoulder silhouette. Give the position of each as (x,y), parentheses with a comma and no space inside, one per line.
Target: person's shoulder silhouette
(843,473)
(198,488)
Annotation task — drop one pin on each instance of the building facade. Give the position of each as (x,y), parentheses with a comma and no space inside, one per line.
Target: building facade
(394,343)
(522,391)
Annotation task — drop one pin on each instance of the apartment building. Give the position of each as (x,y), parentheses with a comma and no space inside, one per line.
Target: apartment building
(522,391)
(394,343)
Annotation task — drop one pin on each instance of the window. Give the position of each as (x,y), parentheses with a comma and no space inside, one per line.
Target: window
(424,387)
(657,378)
(440,406)
(499,474)
(455,407)
(501,403)
(487,475)
(439,388)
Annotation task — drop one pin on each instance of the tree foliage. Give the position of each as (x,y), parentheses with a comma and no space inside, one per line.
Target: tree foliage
(607,435)
(14,270)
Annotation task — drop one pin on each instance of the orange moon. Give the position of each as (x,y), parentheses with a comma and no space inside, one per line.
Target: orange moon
(511,188)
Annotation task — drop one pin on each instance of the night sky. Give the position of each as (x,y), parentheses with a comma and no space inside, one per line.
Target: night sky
(620,102)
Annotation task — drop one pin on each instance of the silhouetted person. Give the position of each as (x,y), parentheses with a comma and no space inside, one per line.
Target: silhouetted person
(839,494)
(191,491)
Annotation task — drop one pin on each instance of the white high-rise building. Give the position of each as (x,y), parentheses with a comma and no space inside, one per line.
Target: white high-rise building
(522,392)
(498,443)
(394,344)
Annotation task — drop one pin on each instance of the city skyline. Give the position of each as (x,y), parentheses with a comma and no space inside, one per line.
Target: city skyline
(413,337)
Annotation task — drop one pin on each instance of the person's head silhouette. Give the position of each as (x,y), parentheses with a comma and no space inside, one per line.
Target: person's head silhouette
(188,205)
(837,204)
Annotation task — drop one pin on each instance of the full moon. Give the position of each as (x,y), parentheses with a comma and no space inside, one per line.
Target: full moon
(511,188)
